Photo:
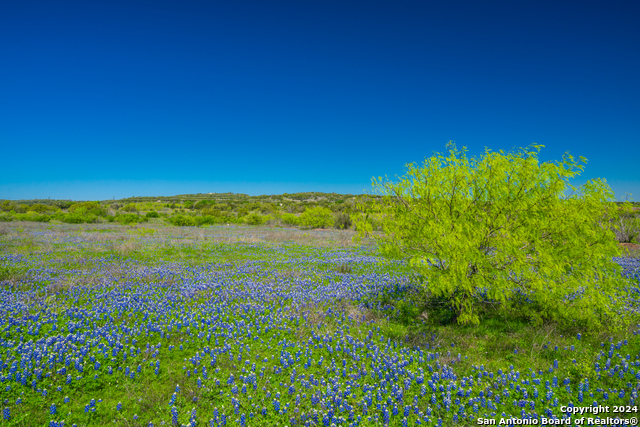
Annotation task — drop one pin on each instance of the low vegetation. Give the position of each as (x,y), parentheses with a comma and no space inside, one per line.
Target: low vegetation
(109,324)
(304,210)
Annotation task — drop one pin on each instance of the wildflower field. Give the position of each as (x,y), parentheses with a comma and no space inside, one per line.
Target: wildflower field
(104,324)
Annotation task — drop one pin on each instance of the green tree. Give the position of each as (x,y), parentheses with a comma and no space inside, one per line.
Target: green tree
(130,207)
(318,217)
(499,229)
(129,218)
(289,219)
(204,204)
(182,221)
(254,219)
(88,208)
(342,221)
(39,208)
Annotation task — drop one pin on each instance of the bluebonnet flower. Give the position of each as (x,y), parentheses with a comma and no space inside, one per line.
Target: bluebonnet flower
(174,416)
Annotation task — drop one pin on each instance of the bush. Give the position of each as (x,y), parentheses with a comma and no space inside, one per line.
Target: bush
(152,214)
(290,219)
(6,206)
(254,219)
(40,208)
(342,221)
(211,211)
(205,220)
(204,204)
(88,209)
(318,217)
(182,221)
(232,219)
(32,216)
(496,230)
(129,218)
(130,207)
(77,218)
(627,229)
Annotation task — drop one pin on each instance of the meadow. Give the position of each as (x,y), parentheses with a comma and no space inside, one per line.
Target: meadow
(107,324)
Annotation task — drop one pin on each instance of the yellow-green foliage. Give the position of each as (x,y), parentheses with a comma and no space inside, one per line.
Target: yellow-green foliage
(88,208)
(41,208)
(254,219)
(500,224)
(289,219)
(148,206)
(130,207)
(318,217)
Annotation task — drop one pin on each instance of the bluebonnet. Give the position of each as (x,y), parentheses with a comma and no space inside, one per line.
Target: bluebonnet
(244,317)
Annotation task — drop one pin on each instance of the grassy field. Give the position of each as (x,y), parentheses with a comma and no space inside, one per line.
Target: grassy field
(104,324)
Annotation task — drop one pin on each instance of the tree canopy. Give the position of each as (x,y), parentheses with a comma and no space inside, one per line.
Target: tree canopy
(499,229)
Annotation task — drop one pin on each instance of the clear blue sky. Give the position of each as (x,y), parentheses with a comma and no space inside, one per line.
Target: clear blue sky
(127,98)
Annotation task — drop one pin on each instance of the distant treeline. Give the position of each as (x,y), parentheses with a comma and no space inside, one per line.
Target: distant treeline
(312,209)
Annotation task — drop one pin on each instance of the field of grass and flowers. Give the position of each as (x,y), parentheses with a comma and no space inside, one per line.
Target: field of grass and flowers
(105,324)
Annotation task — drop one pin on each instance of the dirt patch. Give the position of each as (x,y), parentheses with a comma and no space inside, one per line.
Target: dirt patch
(631,246)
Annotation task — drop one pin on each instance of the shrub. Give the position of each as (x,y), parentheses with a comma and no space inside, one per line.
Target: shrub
(152,214)
(267,208)
(129,218)
(627,229)
(342,221)
(205,220)
(254,219)
(204,204)
(271,219)
(231,219)
(182,221)
(88,208)
(41,218)
(318,217)
(6,206)
(130,207)
(77,218)
(290,219)
(211,211)
(32,216)
(39,208)
(498,229)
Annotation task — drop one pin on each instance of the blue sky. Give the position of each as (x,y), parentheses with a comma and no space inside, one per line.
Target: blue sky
(127,98)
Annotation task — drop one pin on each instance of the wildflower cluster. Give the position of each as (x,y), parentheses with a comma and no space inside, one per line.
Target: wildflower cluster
(250,343)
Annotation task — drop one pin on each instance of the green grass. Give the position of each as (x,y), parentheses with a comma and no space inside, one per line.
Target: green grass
(81,257)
